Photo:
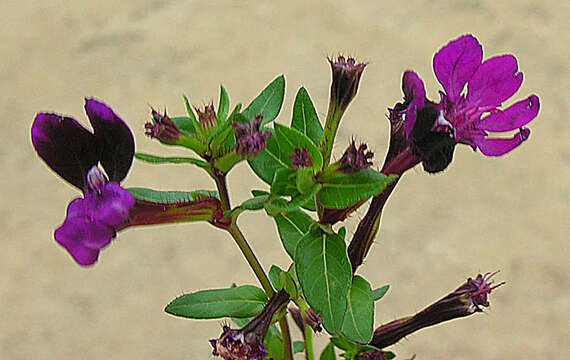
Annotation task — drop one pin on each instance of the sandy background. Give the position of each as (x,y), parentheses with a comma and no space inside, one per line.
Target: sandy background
(483,214)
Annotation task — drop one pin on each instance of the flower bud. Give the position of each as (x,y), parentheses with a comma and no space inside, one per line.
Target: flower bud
(467,299)
(346,75)
(163,128)
(248,343)
(250,139)
(207,117)
(354,160)
(301,158)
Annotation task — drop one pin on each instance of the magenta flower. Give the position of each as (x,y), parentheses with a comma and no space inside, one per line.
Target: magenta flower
(74,152)
(469,116)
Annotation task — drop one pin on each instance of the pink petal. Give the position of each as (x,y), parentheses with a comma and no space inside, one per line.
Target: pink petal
(496,80)
(456,63)
(498,147)
(514,117)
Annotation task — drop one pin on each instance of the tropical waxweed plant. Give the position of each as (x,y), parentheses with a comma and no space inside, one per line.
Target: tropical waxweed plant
(307,195)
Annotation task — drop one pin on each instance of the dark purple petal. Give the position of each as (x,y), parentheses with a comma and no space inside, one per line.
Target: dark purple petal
(67,147)
(496,80)
(514,117)
(414,97)
(456,63)
(113,205)
(498,147)
(115,137)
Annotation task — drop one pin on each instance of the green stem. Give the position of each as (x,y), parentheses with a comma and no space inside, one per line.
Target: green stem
(249,255)
(329,134)
(309,353)
(246,250)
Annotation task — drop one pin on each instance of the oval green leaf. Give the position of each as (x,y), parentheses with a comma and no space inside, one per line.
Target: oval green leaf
(238,302)
(268,102)
(305,118)
(292,226)
(359,320)
(325,274)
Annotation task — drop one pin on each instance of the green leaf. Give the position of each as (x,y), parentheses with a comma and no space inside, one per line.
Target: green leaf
(274,273)
(239,302)
(268,102)
(170,197)
(284,182)
(223,105)
(359,320)
(255,203)
(290,139)
(192,117)
(305,117)
(255,192)
(325,275)
(328,353)
(380,292)
(153,159)
(343,190)
(185,125)
(274,346)
(287,282)
(304,179)
(273,207)
(292,226)
(344,344)
(269,161)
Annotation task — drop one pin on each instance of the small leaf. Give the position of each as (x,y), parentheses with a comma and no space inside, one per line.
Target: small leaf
(170,197)
(305,117)
(274,273)
(304,179)
(192,117)
(343,343)
(292,226)
(325,275)
(286,282)
(343,190)
(268,102)
(153,159)
(255,203)
(284,182)
(290,139)
(380,292)
(239,302)
(328,353)
(273,207)
(224,105)
(259,192)
(359,320)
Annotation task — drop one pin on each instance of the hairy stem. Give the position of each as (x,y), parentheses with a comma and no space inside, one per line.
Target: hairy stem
(220,179)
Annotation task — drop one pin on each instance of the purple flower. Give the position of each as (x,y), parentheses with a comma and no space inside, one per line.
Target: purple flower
(74,153)
(469,116)
(301,158)
(466,300)
(248,343)
(250,139)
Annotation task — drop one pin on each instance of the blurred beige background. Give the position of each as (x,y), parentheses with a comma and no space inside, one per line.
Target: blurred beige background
(483,214)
